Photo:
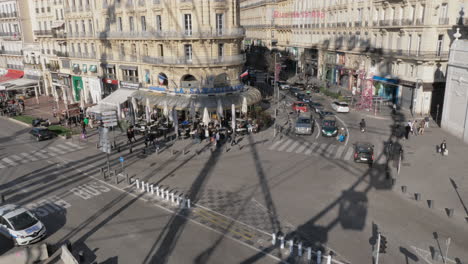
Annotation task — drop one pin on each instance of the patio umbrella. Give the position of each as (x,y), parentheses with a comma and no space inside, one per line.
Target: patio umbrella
(206,117)
(134,107)
(219,108)
(244,106)
(233,109)
(148,110)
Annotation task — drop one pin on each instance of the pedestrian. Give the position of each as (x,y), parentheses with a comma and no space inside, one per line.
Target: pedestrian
(86,121)
(414,128)
(233,141)
(394,108)
(426,120)
(129,135)
(217,138)
(422,125)
(407,130)
(207,133)
(443,148)
(83,127)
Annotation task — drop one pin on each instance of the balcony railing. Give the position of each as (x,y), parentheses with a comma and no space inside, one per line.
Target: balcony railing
(84,55)
(443,21)
(107,56)
(11,52)
(396,22)
(385,23)
(357,23)
(59,34)
(8,15)
(407,22)
(236,32)
(409,53)
(15,66)
(62,54)
(419,22)
(236,59)
(156,2)
(43,32)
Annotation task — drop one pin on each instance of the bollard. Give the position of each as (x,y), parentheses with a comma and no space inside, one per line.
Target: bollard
(81,257)
(142,186)
(273,239)
(147,187)
(403,188)
(417,196)
(319,257)
(299,249)
(137,184)
(179,199)
(188,203)
(281,242)
(172,197)
(167,194)
(291,246)
(157,191)
(450,212)
(430,203)
(152,189)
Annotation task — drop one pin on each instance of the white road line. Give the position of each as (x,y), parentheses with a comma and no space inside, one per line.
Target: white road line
(74,145)
(64,147)
(48,153)
(28,156)
(302,147)
(348,154)
(311,148)
(318,130)
(18,159)
(276,144)
(330,150)
(339,152)
(285,145)
(292,147)
(2,166)
(39,154)
(59,151)
(9,161)
(322,148)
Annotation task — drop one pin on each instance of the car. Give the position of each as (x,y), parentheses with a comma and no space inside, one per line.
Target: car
(340,107)
(304,124)
(41,133)
(284,86)
(306,99)
(21,225)
(294,91)
(364,152)
(300,96)
(317,107)
(323,114)
(300,106)
(329,128)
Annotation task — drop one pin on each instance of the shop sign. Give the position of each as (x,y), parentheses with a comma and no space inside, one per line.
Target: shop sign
(392,81)
(218,90)
(110,81)
(129,85)
(407,83)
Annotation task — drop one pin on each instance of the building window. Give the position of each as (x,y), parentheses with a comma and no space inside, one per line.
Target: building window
(93,49)
(145,49)
(188,52)
(107,23)
(61,14)
(130,75)
(219,24)
(110,73)
(76,27)
(134,50)
(443,10)
(188,24)
(411,73)
(122,49)
(78,46)
(158,23)
(143,23)
(119,23)
(70,28)
(90,25)
(418,43)
(130,23)
(422,13)
(440,41)
(221,50)
(83,27)
(410,37)
(161,50)
(85,48)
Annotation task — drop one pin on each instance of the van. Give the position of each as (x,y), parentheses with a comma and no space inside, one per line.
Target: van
(304,124)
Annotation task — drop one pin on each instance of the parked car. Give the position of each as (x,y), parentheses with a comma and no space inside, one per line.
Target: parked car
(329,128)
(316,106)
(306,99)
(323,114)
(300,96)
(283,86)
(340,107)
(364,152)
(20,225)
(294,91)
(304,124)
(41,133)
(300,106)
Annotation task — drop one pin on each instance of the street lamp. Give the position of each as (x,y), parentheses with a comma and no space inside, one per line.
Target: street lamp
(419,83)
(276,91)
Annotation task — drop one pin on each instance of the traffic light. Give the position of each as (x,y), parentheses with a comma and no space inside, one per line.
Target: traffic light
(383,244)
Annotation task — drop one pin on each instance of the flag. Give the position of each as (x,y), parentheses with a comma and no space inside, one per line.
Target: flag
(244,74)
(161,79)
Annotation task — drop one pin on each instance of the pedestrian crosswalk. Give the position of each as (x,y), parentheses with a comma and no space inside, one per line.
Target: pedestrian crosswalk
(329,150)
(36,155)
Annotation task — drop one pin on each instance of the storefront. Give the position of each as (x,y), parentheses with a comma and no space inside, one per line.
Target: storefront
(110,82)
(93,89)
(387,89)
(64,84)
(77,82)
(407,94)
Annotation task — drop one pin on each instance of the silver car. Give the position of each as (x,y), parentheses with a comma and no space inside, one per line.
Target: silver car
(304,124)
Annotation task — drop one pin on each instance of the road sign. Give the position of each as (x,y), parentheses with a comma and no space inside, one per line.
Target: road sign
(108,113)
(109,124)
(121,159)
(104,141)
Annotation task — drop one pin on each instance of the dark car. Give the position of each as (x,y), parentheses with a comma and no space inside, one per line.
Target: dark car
(300,96)
(317,107)
(329,128)
(324,114)
(294,91)
(364,152)
(41,133)
(307,99)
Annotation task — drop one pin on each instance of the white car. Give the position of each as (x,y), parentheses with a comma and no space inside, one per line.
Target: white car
(284,86)
(340,107)
(20,225)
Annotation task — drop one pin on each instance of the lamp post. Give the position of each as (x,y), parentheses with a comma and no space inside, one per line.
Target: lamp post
(419,83)
(276,93)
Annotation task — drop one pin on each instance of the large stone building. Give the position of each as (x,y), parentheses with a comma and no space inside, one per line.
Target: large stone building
(400,46)
(92,48)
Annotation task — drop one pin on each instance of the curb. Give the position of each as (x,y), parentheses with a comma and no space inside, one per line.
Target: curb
(15,121)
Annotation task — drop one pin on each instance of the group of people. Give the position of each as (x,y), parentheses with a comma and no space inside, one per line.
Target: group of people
(415,127)
(12,107)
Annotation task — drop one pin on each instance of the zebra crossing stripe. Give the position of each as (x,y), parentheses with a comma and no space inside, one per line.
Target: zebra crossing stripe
(339,152)
(17,159)
(322,148)
(9,161)
(302,147)
(311,148)
(74,145)
(293,146)
(64,147)
(285,145)
(59,151)
(28,156)
(48,153)
(276,144)
(39,154)
(330,150)
(2,166)
(348,154)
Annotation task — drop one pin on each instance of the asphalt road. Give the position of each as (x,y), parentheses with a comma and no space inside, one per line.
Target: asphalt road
(55,180)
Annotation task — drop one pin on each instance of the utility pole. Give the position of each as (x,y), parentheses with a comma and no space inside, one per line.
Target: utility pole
(276,93)
(377,249)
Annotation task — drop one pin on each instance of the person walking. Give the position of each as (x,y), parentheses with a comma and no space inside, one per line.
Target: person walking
(217,138)
(422,125)
(443,148)
(414,128)
(407,130)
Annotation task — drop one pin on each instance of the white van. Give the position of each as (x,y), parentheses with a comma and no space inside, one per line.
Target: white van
(20,225)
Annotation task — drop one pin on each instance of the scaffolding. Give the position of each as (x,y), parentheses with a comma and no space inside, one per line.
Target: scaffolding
(366,100)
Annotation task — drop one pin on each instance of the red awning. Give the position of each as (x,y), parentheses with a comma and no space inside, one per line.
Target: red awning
(11,75)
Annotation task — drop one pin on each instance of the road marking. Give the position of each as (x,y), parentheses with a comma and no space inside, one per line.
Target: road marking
(17,159)
(28,156)
(39,154)
(48,153)
(2,166)
(318,130)
(322,148)
(348,154)
(59,151)
(311,148)
(272,147)
(224,226)
(339,152)
(285,145)
(302,147)
(292,147)
(9,161)
(64,147)
(74,145)
(330,150)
